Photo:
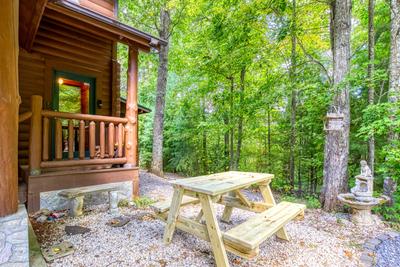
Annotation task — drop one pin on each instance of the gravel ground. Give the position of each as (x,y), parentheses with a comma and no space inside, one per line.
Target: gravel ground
(388,253)
(321,239)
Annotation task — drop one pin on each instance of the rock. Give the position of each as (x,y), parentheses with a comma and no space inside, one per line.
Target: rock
(118,221)
(76,230)
(57,251)
(41,218)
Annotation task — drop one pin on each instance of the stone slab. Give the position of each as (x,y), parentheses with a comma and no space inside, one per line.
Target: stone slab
(58,251)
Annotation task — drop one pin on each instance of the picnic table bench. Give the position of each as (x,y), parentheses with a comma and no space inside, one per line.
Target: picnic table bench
(224,188)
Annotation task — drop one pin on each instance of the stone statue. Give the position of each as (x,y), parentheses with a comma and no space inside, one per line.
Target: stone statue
(364,182)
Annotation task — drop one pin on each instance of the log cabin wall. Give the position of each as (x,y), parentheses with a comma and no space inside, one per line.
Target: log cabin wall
(105,7)
(63,48)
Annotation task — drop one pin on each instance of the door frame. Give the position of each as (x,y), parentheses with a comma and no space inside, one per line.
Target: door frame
(55,92)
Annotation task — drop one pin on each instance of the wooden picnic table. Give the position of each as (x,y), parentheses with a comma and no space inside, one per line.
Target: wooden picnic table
(225,188)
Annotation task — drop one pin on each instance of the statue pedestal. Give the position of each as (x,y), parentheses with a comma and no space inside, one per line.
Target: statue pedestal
(362,216)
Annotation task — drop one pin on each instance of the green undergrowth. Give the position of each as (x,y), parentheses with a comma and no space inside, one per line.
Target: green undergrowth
(143,202)
(310,201)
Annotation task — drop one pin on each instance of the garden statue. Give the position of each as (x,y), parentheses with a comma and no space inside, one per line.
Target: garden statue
(360,199)
(363,189)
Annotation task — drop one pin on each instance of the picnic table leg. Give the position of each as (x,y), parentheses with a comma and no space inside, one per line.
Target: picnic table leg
(173,215)
(269,199)
(214,232)
(226,216)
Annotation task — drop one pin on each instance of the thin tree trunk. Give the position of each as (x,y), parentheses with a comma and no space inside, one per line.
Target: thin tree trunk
(394,64)
(158,127)
(240,122)
(231,149)
(269,137)
(371,88)
(226,141)
(293,100)
(205,157)
(337,142)
(394,85)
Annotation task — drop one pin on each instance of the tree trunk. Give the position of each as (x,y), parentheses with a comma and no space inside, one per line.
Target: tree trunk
(226,141)
(240,122)
(293,100)
(269,137)
(231,149)
(394,85)
(337,142)
(205,155)
(371,89)
(158,126)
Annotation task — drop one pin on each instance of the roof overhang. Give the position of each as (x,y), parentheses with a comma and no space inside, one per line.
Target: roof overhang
(85,19)
(141,109)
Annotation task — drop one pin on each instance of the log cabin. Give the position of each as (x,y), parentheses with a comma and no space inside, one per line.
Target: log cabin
(61,125)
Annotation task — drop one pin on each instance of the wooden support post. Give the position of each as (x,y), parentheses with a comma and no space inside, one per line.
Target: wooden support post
(131,140)
(226,215)
(269,199)
(120,140)
(58,140)
(9,105)
(82,139)
(92,139)
(46,129)
(173,215)
(214,233)
(102,139)
(71,137)
(35,138)
(111,134)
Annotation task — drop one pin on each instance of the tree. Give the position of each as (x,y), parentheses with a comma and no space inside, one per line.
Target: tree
(158,125)
(337,142)
(371,89)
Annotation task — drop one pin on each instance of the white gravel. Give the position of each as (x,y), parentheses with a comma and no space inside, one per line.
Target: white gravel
(321,239)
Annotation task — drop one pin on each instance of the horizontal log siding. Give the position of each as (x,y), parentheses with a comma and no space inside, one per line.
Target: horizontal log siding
(71,50)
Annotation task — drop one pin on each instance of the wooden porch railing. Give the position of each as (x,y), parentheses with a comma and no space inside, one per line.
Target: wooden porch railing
(83,140)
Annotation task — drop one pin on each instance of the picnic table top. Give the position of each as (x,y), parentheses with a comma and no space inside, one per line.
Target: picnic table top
(219,183)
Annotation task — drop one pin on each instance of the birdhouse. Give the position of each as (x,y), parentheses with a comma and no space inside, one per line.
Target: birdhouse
(334,122)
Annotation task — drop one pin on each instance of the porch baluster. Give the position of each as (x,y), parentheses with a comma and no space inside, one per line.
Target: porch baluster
(111,135)
(45,152)
(120,140)
(82,139)
(70,139)
(92,139)
(58,140)
(102,139)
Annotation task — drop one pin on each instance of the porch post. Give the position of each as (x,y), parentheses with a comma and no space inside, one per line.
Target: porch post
(131,143)
(9,105)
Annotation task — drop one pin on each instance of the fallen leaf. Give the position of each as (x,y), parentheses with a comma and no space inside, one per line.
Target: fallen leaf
(348,254)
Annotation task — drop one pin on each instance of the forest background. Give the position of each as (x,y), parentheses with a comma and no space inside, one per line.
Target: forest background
(249,84)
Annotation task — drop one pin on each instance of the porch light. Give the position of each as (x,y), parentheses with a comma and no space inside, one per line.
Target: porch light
(60,81)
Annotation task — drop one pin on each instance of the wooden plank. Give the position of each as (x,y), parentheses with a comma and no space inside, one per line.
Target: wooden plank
(236,203)
(200,230)
(30,15)
(214,233)
(254,231)
(269,199)
(78,116)
(220,183)
(243,198)
(173,215)
(165,205)
(81,162)
(226,215)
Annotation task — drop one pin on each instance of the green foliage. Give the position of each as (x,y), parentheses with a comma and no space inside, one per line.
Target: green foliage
(123,203)
(143,202)
(214,42)
(391,213)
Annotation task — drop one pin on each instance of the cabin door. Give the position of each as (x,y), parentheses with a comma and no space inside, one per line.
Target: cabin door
(72,93)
